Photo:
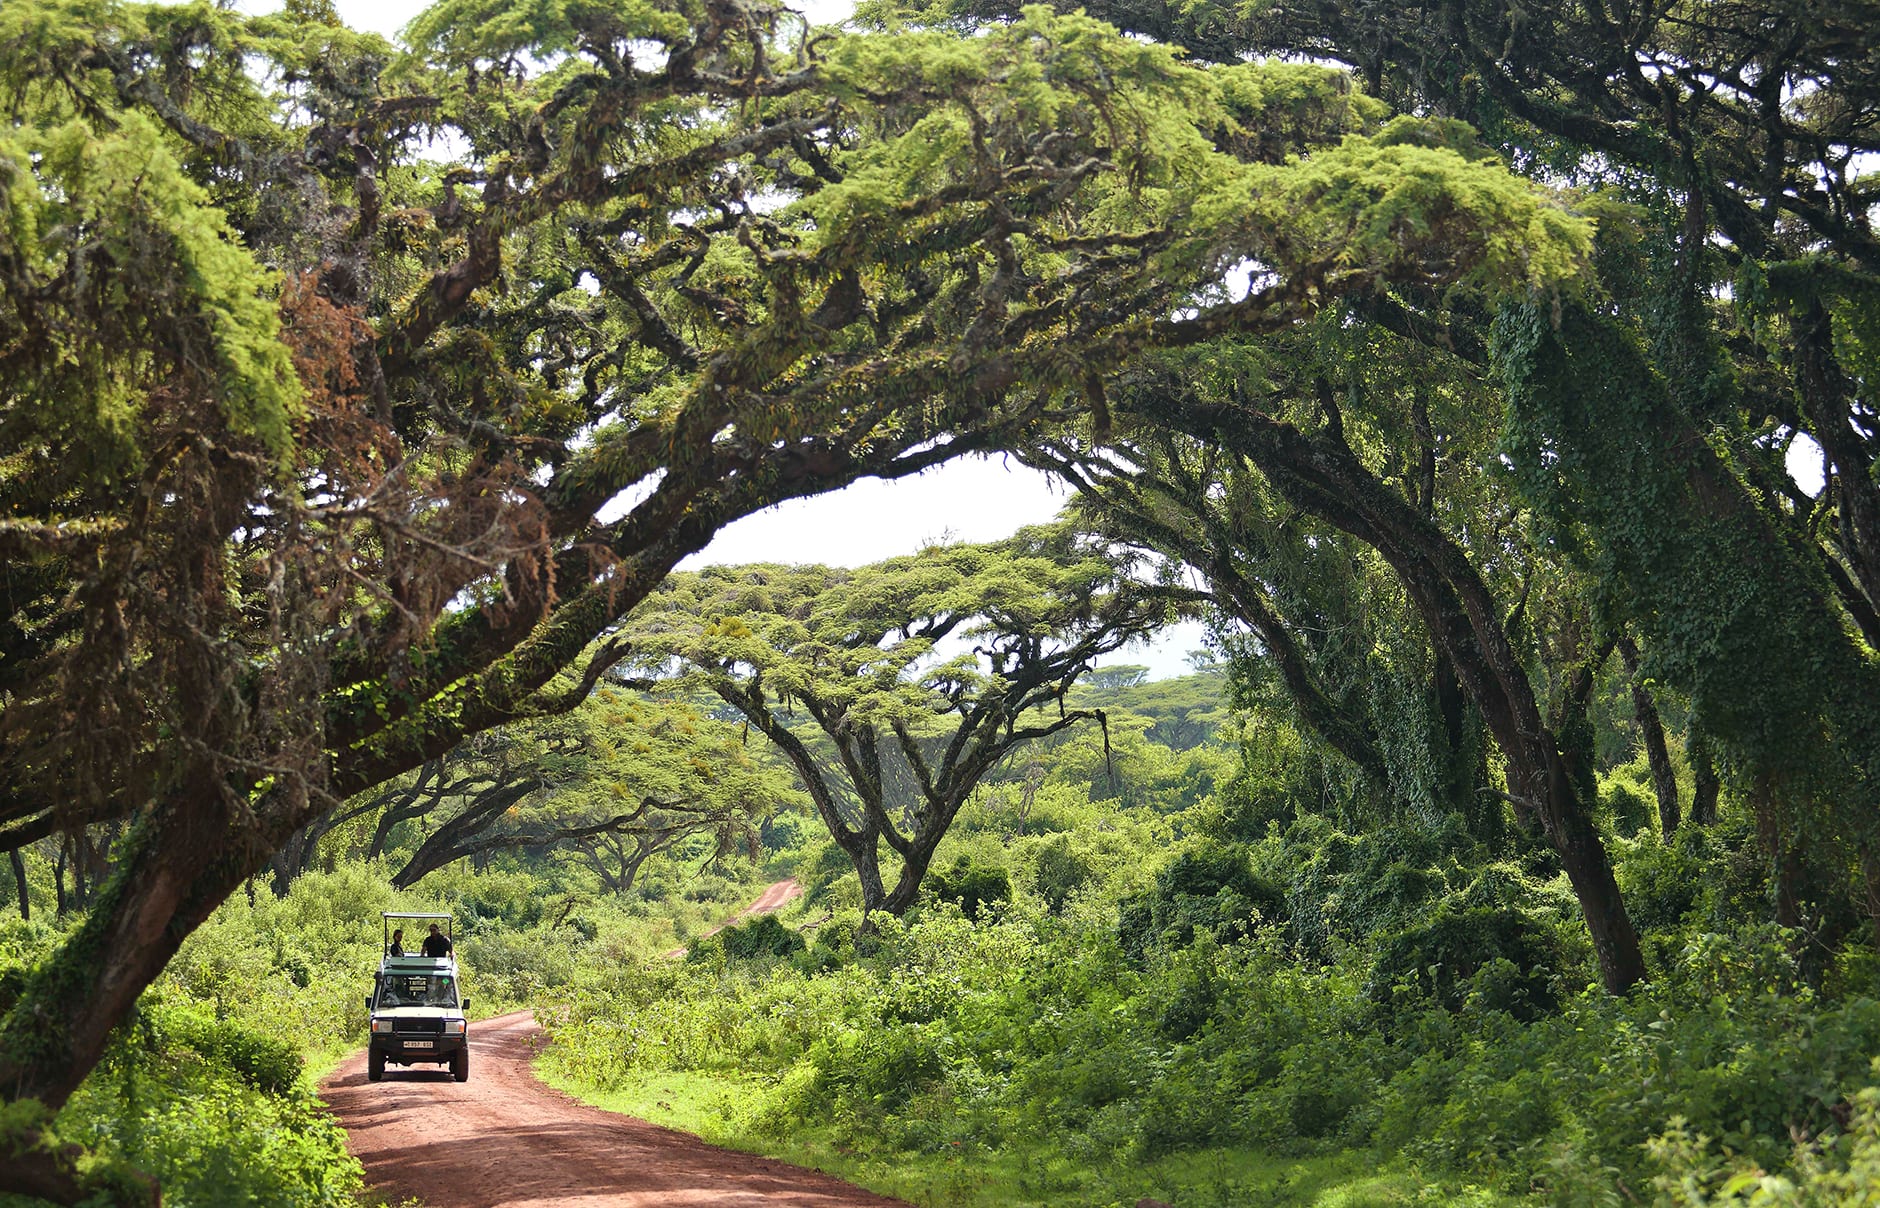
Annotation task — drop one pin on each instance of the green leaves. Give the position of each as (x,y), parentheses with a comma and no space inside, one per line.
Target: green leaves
(468,32)
(104,230)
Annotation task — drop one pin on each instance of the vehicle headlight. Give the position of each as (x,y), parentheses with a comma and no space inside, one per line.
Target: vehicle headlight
(381,1025)
(453,1027)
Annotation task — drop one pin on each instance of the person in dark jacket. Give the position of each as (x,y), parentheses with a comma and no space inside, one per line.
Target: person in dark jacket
(398,943)
(437,943)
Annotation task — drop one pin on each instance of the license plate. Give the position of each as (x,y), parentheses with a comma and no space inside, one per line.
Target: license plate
(417,1044)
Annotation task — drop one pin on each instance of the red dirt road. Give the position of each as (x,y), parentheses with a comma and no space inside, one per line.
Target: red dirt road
(771,900)
(774,898)
(504,1140)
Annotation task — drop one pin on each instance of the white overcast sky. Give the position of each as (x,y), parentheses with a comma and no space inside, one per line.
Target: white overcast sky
(976,499)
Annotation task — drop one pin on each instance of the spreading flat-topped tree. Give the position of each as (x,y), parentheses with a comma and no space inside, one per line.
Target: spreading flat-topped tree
(1730,148)
(616,782)
(916,675)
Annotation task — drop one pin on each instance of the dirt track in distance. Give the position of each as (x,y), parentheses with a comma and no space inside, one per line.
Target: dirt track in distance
(504,1140)
(774,898)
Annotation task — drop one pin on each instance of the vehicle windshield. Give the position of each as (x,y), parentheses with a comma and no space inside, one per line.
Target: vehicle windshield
(418,990)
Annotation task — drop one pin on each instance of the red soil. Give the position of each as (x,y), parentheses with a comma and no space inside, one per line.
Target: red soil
(504,1140)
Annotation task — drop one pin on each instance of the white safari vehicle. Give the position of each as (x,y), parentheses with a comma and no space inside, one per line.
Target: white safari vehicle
(416,1003)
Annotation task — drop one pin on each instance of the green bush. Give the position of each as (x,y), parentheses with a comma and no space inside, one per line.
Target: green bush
(1059,872)
(759,937)
(1824,1173)
(1343,888)
(215,1112)
(1496,958)
(971,886)
(1211,888)
(265,1062)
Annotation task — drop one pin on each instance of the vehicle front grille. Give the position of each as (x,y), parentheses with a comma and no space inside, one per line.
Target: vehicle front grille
(426,1027)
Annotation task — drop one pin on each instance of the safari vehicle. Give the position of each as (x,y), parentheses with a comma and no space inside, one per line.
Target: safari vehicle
(415,1006)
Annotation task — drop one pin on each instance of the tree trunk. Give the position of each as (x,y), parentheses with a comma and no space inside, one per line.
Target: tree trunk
(1825,390)
(1323,476)
(1573,722)
(1652,730)
(181,861)
(19,878)
(1705,787)
(1784,868)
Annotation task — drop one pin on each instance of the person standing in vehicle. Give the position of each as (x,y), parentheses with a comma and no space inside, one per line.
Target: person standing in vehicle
(398,943)
(436,944)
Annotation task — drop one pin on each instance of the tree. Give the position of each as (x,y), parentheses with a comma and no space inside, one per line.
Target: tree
(621,779)
(902,732)
(1739,288)
(1324,415)
(1183,712)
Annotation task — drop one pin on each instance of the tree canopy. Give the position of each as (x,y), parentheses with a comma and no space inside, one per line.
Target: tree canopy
(905,726)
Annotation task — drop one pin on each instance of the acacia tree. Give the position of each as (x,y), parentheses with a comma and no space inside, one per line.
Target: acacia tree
(1737,306)
(1316,424)
(621,779)
(305,438)
(902,733)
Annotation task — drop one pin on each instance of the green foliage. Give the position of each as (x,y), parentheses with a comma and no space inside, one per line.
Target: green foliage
(1825,1175)
(215,1108)
(1343,888)
(762,936)
(1060,872)
(1208,889)
(263,1060)
(972,887)
(122,196)
(1494,958)
(1727,606)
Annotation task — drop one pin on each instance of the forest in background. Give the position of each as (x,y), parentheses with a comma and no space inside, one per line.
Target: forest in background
(359,400)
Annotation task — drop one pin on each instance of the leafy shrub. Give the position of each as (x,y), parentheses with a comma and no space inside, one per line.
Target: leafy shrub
(1629,810)
(1496,958)
(1060,872)
(214,1111)
(265,1062)
(761,936)
(1352,888)
(1825,1173)
(1211,887)
(971,886)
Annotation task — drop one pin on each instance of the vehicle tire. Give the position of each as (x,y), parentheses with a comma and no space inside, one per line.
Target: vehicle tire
(460,1063)
(375,1065)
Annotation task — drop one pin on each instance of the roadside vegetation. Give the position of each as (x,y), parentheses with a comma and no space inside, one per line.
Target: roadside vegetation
(1143,987)
(1160,969)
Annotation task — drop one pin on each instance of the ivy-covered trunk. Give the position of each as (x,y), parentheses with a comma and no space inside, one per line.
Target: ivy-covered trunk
(179,862)
(1652,732)
(1731,608)
(1321,474)
(176,870)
